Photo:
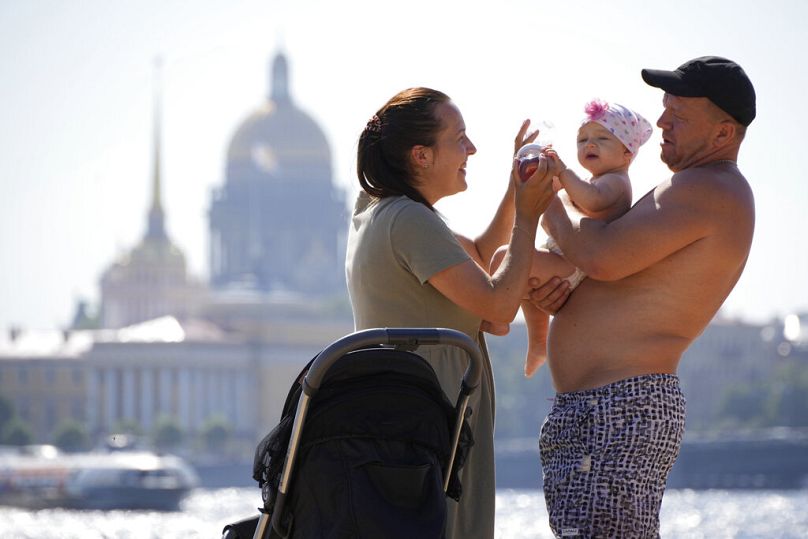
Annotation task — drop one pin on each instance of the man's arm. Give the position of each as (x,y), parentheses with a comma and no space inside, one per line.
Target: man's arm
(674,215)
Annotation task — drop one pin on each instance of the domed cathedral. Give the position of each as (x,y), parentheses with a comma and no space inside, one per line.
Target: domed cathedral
(278,223)
(151,280)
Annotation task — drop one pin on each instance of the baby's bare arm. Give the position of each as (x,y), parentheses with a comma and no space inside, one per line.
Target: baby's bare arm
(605,197)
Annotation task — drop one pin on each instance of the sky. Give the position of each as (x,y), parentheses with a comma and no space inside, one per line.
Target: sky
(78,86)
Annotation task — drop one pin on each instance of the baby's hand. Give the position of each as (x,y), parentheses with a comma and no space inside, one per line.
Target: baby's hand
(554,163)
(555,166)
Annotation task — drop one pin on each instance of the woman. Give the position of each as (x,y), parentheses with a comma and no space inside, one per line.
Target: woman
(405,268)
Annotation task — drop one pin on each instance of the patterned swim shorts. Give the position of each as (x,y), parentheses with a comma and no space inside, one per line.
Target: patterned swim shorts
(606,454)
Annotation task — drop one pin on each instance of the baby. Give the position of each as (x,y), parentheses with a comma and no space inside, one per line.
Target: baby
(608,140)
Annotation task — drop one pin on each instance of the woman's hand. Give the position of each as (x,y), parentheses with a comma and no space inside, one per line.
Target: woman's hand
(495,328)
(523,137)
(532,195)
(539,185)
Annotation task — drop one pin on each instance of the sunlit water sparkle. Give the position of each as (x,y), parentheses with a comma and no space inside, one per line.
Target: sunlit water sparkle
(687,514)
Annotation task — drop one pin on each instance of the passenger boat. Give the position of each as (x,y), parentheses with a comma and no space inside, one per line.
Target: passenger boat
(41,476)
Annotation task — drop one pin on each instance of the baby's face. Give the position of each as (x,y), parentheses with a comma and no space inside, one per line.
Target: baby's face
(599,151)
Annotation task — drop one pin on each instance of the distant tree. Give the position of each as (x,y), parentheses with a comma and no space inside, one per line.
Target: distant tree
(743,406)
(71,436)
(167,434)
(17,432)
(522,403)
(129,426)
(6,411)
(789,406)
(215,434)
(788,400)
(83,318)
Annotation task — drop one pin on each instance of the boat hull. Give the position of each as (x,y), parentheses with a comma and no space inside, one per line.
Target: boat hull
(119,480)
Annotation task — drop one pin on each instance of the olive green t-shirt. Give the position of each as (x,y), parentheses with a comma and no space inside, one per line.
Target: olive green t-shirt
(394,246)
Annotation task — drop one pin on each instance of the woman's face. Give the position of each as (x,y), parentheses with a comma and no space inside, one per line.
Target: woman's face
(444,171)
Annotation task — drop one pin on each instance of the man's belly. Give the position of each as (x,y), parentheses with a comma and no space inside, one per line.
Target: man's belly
(594,341)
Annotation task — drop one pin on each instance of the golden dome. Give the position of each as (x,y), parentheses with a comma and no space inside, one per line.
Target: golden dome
(278,140)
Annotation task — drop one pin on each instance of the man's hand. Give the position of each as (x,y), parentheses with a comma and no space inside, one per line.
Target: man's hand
(550,296)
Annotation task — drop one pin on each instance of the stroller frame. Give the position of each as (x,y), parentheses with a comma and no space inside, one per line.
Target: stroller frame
(403,338)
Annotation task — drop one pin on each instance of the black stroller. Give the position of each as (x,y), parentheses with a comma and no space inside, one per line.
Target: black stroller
(368,444)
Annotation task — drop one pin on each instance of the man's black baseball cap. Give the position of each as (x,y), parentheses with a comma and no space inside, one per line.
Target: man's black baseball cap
(720,80)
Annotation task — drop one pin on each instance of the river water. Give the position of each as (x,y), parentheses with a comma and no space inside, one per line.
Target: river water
(686,514)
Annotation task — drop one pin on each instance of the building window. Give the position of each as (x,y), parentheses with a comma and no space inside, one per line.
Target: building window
(24,408)
(77,409)
(50,413)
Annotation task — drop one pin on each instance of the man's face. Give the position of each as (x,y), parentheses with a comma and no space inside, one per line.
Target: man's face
(686,123)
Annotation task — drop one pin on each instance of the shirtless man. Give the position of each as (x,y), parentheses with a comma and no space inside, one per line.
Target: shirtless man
(657,276)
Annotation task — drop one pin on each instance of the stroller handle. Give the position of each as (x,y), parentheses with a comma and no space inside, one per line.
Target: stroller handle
(409,337)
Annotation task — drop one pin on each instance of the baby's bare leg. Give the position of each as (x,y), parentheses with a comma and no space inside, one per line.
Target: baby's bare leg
(546,265)
(537,323)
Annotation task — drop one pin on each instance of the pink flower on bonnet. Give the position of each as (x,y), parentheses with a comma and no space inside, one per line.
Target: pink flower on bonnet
(629,127)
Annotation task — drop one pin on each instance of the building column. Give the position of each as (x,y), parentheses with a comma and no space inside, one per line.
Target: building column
(244,415)
(93,402)
(185,418)
(211,394)
(147,399)
(199,398)
(230,396)
(164,392)
(129,393)
(219,390)
(111,392)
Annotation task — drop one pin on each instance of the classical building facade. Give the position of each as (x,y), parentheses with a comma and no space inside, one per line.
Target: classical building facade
(168,346)
(42,375)
(187,372)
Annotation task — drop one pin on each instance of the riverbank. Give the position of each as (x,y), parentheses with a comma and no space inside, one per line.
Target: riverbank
(763,460)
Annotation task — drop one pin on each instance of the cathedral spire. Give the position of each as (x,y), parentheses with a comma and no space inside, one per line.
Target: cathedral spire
(280,79)
(156,224)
